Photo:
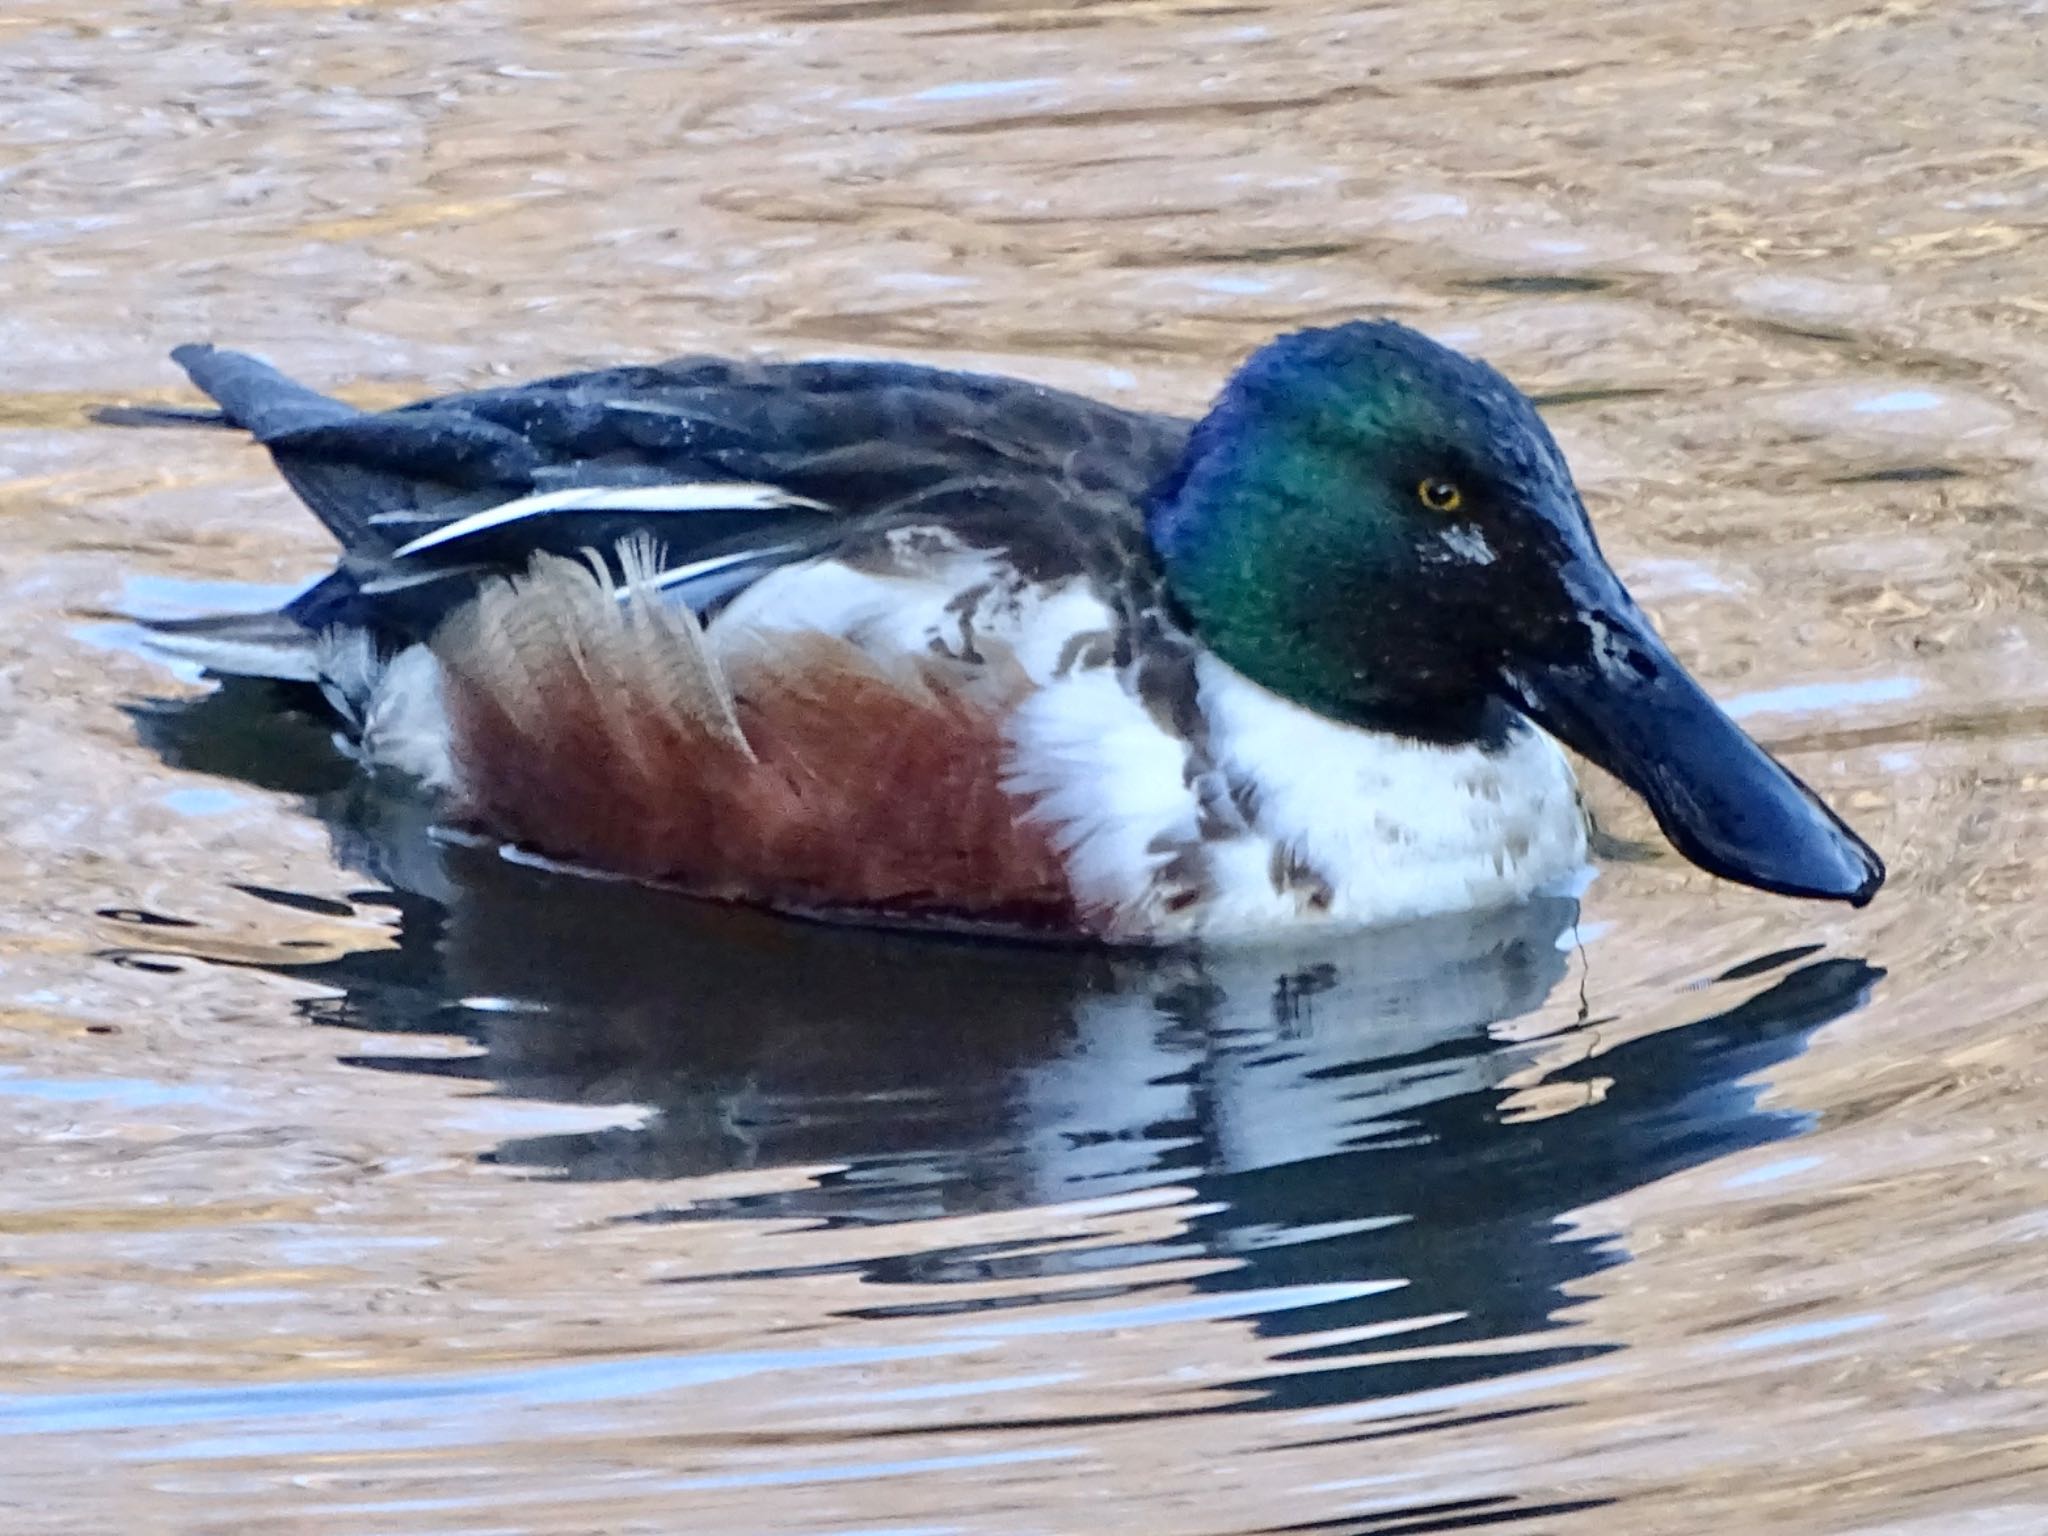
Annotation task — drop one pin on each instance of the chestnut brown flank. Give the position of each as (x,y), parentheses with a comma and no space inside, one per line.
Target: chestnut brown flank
(862,790)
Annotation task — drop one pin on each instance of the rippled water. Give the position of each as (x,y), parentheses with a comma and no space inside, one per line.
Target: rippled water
(355,1183)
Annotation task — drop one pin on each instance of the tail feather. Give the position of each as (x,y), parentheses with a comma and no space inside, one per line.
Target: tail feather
(254,396)
(356,469)
(158,416)
(272,645)
(468,501)
(284,415)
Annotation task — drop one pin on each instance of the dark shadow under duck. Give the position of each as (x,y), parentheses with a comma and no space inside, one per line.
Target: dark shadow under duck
(1375,1137)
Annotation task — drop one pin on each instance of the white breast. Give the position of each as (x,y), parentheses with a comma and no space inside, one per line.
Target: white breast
(1339,826)
(1380,828)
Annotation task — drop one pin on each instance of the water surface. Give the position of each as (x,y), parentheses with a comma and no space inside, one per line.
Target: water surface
(358,1182)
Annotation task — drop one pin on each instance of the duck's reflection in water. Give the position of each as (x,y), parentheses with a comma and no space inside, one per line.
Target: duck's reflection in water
(1349,1113)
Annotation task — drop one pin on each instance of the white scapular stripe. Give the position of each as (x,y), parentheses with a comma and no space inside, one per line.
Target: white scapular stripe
(736,565)
(406,581)
(695,496)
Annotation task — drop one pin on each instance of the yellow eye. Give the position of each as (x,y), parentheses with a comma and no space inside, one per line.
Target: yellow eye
(1440,495)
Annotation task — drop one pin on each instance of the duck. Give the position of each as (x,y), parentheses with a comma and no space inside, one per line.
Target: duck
(880,642)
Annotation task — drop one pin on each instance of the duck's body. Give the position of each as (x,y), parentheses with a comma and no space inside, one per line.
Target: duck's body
(905,644)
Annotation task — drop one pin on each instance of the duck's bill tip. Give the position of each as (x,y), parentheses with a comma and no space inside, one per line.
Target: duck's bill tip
(1841,868)
(1864,893)
(1725,803)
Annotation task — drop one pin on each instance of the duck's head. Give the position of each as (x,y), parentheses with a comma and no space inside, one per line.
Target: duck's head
(1383,531)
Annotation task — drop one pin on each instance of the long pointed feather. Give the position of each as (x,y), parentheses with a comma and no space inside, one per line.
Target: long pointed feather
(669,649)
(238,645)
(695,496)
(405,581)
(158,416)
(701,584)
(634,655)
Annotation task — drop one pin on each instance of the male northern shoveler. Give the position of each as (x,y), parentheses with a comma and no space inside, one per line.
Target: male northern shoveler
(884,641)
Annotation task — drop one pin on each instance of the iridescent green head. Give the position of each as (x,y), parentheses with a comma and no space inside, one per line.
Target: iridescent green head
(1384,531)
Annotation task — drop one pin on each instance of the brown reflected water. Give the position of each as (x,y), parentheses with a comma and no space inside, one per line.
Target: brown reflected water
(350,1183)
